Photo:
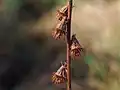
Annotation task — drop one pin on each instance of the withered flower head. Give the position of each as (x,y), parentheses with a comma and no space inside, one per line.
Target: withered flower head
(62,12)
(60,29)
(60,76)
(76,48)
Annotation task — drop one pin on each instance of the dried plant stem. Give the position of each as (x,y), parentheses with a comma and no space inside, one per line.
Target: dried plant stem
(68,57)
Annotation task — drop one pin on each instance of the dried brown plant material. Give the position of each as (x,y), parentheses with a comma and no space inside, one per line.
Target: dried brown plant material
(76,48)
(60,29)
(60,76)
(62,12)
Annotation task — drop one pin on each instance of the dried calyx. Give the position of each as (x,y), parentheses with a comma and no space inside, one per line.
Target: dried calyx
(60,29)
(76,48)
(62,12)
(61,75)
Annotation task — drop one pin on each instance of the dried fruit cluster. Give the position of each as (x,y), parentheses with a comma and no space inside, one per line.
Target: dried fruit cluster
(60,32)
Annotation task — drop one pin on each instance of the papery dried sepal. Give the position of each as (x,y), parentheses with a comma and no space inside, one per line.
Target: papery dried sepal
(62,12)
(60,30)
(60,76)
(76,48)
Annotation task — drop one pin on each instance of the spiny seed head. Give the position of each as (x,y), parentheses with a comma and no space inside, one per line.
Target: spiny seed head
(60,29)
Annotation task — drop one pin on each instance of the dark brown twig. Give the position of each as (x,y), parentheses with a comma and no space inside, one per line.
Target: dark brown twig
(68,57)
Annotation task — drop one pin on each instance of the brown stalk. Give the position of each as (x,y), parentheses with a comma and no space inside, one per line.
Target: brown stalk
(74,48)
(68,57)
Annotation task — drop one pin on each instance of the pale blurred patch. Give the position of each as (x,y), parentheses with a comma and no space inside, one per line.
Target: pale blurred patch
(96,22)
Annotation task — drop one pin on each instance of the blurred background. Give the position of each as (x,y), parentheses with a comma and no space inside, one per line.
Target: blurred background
(27,56)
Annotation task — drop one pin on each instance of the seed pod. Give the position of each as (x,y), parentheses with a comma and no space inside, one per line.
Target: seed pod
(76,48)
(62,12)
(60,76)
(60,30)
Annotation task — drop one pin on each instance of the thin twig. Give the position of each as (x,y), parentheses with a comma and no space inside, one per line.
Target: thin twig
(68,45)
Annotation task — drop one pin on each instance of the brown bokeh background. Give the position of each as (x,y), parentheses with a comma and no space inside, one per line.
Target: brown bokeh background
(29,54)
